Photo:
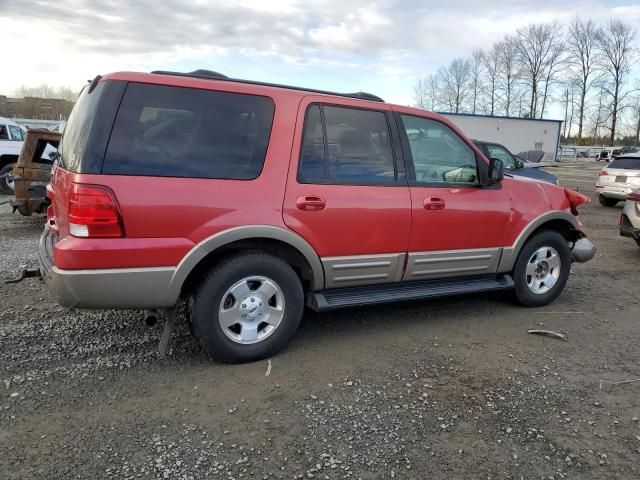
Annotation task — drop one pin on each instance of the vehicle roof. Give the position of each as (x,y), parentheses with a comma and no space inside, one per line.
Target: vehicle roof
(246,86)
(8,121)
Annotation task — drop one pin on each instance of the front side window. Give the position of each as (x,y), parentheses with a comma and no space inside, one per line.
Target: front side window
(16,133)
(508,160)
(346,146)
(4,133)
(182,132)
(439,154)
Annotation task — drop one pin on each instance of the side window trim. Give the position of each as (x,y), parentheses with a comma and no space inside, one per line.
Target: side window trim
(408,159)
(325,142)
(394,138)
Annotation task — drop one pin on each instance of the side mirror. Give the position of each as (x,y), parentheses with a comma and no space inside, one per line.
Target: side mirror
(496,171)
(519,164)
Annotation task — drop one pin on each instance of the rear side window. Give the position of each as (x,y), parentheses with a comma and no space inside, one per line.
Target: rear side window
(78,128)
(16,133)
(625,163)
(182,132)
(346,146)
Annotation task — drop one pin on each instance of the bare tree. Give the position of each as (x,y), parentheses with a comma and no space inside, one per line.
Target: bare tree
(507,71)
(420,93)
(47,92)
(455,83)
(581,46)
(555,60)
(635,113)
(614,42)
(566,100)
(491,62)
(534,43)
(600,117)
(427,92)
(476,77)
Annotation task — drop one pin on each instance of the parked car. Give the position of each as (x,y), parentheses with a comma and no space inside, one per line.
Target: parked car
(618,179)
(252,200)
(628,149)
(32,172)
(11,140)
(513,163)
(630,218)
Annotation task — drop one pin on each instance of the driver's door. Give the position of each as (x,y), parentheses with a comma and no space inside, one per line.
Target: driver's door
(458,227)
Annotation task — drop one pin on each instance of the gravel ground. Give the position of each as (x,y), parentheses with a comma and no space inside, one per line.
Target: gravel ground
(452,388)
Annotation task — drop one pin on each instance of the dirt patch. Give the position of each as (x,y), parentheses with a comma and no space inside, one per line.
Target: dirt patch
(451,388)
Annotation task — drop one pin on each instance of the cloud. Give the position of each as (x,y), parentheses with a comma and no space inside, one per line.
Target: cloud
(62,40)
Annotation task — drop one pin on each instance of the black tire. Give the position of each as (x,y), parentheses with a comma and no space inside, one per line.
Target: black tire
(523,293)
(607,202)
(4,184)
(208,296)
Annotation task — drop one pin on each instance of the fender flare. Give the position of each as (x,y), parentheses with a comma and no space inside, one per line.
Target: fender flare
(220,239)
(510,254)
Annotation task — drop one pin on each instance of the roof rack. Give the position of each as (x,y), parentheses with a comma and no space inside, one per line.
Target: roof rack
(211,75)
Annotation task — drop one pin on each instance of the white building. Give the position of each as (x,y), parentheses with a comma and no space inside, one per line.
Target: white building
(517,134)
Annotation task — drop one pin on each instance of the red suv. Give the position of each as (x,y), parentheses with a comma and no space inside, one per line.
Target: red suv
(254,200)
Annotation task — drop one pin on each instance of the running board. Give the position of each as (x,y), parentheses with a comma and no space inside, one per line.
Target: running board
(396,292)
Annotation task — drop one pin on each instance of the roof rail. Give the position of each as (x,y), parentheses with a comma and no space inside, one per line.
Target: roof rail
(211,75)
(200,73)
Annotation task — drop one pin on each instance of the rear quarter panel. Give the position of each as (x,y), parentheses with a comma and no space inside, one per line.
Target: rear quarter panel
(164,217)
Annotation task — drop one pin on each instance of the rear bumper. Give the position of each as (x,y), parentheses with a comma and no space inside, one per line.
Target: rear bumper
(619,192)
(105,288)
(583,250)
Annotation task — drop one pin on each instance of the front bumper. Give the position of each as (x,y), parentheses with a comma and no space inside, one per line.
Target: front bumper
(583,250)
(105,288)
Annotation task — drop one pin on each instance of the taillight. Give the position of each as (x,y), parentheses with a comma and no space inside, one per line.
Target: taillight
(93,212)
(634,196)
(575,200)
(603,173)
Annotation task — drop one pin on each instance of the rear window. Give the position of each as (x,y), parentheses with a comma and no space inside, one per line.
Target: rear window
(78,128)
(182,132)
(625,163)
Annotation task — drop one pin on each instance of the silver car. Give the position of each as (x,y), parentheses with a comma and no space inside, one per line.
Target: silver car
(618,179)
(630,218)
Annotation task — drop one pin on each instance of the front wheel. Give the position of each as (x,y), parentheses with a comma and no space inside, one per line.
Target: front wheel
(247,308)
(542,269)
(6,185)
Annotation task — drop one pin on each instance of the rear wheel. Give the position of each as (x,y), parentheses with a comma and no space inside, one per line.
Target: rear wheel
(542,269)
(247,308)
(6,185)
(607,202)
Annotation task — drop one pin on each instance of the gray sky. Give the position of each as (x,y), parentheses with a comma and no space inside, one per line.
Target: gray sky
(381,47)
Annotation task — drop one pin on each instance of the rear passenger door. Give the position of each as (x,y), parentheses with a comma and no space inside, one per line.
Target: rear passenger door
(347,193)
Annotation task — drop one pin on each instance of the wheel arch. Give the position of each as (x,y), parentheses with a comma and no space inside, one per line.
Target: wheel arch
(558,221)
(292,248)
(7,159)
